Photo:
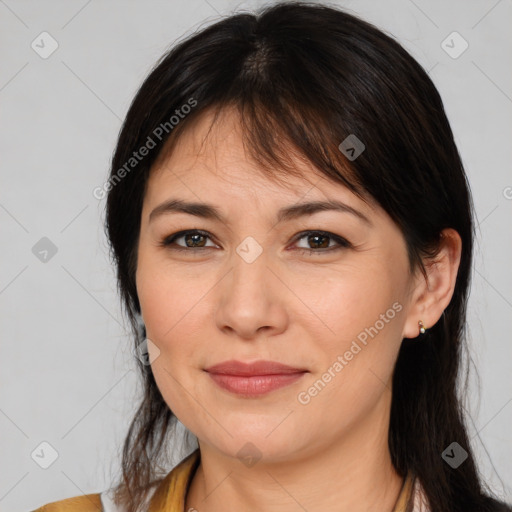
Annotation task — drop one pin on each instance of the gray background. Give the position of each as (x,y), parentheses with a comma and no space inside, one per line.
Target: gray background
(67,370)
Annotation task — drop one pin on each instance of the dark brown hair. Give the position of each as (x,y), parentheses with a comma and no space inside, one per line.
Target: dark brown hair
(304,77)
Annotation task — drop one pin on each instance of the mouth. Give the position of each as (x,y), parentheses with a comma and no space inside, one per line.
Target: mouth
(254,379)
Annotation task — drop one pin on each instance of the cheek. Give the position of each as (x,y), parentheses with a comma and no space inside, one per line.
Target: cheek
(348,303)
(169,297)
(357,333)
(173,313)
(177,311)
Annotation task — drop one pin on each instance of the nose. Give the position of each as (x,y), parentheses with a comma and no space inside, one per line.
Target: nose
(251,301)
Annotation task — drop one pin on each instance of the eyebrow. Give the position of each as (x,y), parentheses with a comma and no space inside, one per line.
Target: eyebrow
(208,211)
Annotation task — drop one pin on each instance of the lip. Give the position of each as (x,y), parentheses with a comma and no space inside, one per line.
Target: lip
(253,379)
(251,369)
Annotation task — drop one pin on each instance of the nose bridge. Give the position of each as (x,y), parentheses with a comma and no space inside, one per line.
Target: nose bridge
(250,300)
(249,278)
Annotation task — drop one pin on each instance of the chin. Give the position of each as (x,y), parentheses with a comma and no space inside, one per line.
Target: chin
(251,445)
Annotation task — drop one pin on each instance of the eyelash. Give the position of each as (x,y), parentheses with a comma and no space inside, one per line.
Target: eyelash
(342,242)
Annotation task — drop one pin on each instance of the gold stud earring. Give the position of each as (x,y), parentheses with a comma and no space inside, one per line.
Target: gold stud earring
(423,329)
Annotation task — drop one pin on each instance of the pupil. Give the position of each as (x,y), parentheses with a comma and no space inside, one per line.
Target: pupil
(316,237)
(194,237)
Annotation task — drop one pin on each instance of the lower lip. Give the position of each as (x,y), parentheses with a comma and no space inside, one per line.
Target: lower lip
(254,385)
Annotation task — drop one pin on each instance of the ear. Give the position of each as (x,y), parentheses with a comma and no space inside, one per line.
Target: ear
(431,296)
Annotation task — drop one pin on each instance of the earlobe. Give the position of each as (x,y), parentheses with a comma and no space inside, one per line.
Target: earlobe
(433,294)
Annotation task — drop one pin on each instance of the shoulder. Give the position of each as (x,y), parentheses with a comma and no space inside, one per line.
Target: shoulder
(84,503)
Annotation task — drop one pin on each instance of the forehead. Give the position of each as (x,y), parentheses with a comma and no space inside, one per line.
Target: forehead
(213,147)
(211,156)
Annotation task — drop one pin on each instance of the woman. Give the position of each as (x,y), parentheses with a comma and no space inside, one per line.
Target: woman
(292,230)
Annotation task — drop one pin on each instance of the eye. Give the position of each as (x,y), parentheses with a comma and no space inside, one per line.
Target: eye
(194,239)
(319,239)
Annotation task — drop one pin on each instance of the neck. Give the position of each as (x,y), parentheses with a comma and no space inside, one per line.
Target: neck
(354,474)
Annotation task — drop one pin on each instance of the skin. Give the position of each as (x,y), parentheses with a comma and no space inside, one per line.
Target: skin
(299,309)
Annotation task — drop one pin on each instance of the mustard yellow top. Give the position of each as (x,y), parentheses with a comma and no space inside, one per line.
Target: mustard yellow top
(170,493)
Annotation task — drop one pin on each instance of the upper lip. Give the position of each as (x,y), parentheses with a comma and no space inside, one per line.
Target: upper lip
(256,368)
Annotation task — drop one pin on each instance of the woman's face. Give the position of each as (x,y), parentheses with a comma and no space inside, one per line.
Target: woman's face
(250,291)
